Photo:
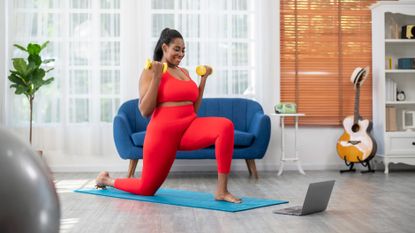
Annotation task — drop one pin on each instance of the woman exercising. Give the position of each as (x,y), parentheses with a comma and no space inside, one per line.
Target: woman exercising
(172,99)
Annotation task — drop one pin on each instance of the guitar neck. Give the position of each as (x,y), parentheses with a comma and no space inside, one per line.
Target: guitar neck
(356,104)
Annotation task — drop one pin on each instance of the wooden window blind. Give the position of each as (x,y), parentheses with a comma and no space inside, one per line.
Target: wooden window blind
(322,41)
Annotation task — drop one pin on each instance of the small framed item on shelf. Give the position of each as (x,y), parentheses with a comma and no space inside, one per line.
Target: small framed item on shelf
(408,120)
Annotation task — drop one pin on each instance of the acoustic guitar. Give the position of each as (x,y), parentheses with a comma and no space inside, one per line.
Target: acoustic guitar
(356,144)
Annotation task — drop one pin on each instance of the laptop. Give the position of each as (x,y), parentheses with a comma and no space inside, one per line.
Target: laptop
(316,200)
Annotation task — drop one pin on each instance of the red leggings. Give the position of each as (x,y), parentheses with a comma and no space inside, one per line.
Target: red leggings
(175,128)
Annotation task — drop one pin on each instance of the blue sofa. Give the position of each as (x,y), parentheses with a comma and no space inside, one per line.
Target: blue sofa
(252,131)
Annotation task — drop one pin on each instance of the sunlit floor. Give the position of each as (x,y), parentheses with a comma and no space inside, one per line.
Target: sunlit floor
(359,203)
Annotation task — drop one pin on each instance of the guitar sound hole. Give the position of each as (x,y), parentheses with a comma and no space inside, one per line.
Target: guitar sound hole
(355,128)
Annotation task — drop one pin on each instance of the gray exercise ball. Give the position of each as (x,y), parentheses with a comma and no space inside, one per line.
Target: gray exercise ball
(29,202)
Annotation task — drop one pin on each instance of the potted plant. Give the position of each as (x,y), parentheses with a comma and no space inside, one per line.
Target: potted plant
(28,74)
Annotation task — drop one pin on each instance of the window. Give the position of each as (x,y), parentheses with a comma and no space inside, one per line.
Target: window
(216,32)
(321,44)
(85,42)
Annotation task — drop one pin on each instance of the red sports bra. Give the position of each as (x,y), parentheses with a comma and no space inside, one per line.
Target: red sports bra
(172,89)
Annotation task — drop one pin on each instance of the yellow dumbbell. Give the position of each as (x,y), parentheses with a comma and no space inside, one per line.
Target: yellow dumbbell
(149,64)
(203,69)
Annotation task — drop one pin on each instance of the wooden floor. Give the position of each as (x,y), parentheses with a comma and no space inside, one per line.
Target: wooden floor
(359,203)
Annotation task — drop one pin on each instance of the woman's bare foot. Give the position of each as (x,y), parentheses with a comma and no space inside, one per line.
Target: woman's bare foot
(102,180)
(227,196)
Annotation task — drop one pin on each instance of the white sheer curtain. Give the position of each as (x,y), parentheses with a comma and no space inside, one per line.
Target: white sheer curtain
(72,116)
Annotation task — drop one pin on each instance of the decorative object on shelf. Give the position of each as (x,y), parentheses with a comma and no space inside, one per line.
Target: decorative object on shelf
(389,63)
(28,75)
(286,107)
(406,63)
(400,96)
(394,30)
(391,89)
(408,32)
(391,124)
(356,145)
(408,120)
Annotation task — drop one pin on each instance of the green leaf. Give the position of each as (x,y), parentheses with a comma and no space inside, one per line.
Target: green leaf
(20,47)
(50,69)
(44,45)
(36,59)
(15,79)
(14,85)
(30,68)
(21,90)
(37,83)
(46,61)
(14,72)
(30,90)
(20,65)
(48,81)
(38,74)
(17,73)
(34,49)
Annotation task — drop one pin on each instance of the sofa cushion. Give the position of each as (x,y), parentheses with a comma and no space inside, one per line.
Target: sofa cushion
(138,138)
(241,138)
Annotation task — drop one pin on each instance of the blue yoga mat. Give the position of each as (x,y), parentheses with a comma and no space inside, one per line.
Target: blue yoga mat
(187,198)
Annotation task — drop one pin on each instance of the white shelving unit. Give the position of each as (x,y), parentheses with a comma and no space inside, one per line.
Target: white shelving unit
(396,146)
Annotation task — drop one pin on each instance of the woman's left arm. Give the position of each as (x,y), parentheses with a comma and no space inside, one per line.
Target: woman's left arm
(201,89)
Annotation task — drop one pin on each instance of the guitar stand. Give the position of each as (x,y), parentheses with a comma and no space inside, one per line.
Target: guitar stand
(366,164)
(349,165)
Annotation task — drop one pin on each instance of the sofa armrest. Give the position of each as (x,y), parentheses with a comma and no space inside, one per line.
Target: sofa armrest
(122,135)
(260,126)
(259,123)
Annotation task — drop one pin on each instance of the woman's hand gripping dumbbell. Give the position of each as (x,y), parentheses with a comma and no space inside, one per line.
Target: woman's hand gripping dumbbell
(204,70)
(149,65)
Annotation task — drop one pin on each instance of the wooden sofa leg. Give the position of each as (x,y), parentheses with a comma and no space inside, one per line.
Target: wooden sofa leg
(131,168)
(252,167)
(249,169)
